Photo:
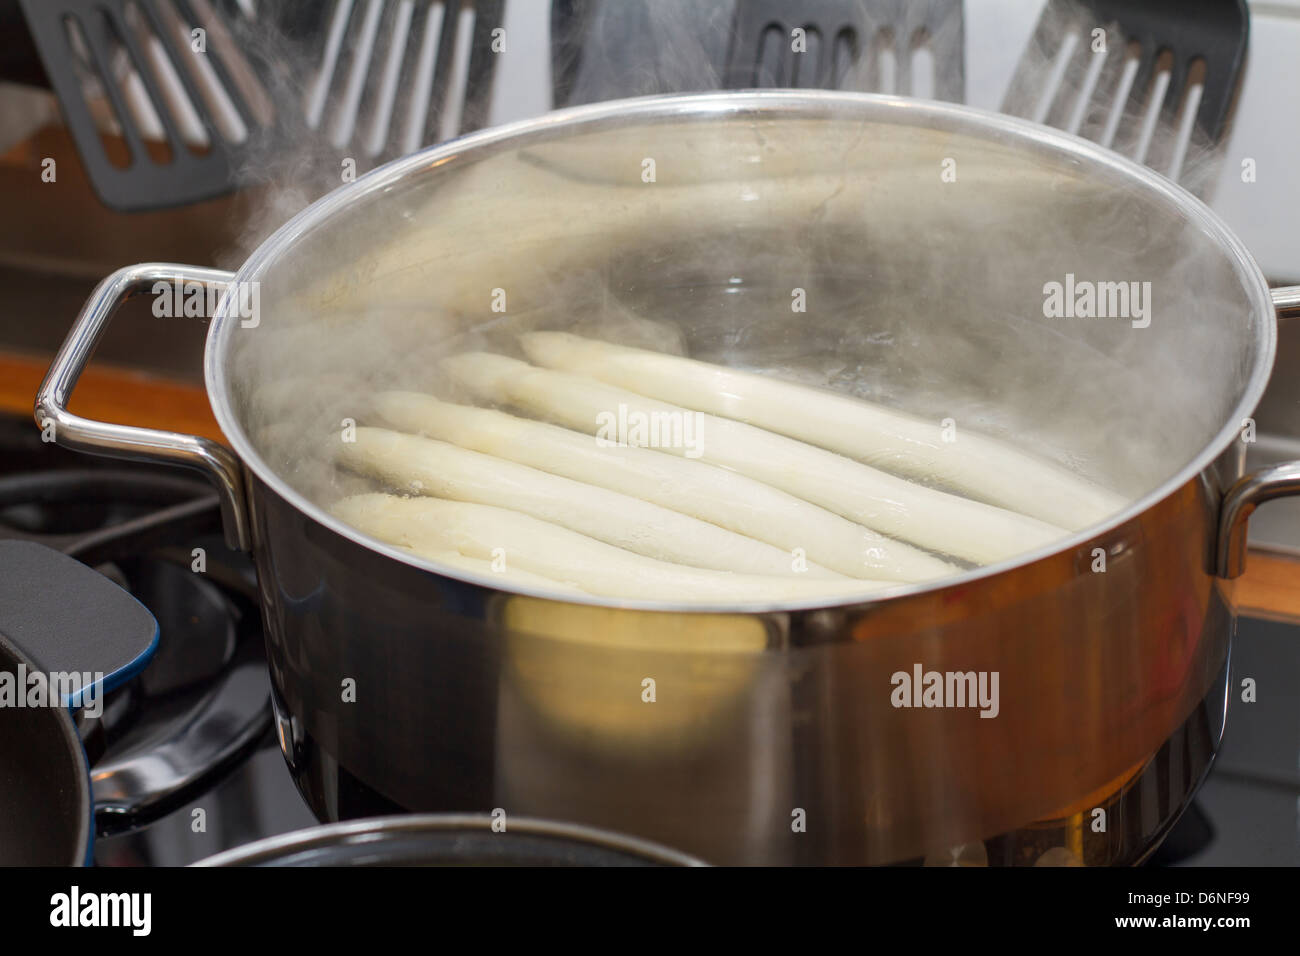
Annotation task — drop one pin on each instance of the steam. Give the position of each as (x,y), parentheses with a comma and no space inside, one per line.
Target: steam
(921,292)
(286,171)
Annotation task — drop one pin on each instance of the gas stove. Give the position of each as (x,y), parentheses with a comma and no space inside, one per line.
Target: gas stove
(186,762)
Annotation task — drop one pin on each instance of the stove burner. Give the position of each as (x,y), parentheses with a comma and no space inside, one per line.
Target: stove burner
(97,515)
(184,604)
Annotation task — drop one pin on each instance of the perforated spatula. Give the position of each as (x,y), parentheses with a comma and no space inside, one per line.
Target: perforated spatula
(200,91)
(606,49)
(1152,79)
(872,47)
(159,113)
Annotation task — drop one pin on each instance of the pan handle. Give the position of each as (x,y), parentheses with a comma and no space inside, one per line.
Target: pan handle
(1251,491)
(214,460)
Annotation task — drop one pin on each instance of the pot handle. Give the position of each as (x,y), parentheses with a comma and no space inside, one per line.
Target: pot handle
(214,460)
(1251,491)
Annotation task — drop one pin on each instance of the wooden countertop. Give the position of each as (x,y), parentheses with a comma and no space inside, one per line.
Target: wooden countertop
(1269,588)
(112,394)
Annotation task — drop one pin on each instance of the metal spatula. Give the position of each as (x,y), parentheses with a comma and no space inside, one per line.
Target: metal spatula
(366,79)
(1152,79)
(605,49)
(879,47)
(181,115)
(397,75)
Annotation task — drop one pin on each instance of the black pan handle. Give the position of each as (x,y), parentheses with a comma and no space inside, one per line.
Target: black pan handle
(69,619)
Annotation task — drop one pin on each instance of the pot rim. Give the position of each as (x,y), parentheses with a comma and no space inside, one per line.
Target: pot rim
(755,103)
(373,830)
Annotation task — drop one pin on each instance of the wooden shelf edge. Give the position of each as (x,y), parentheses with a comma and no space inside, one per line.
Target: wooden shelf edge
(1270,587)
(112,394)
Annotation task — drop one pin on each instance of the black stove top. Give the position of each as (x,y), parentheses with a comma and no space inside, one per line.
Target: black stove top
(185,760)
(185,763)
(1248,811)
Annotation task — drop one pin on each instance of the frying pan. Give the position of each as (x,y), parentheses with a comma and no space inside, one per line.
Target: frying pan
(57,616)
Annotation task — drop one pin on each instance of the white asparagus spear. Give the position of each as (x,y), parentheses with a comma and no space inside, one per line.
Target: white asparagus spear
(505,577)
(942,522)
(712,494)
(984,467)
(431,526)
(428,467)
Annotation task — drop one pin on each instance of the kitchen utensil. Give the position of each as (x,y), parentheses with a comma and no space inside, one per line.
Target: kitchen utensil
(57,617)
(607,50)
(1151,79)
(849,46)
(396,75)
(775,732)
(191,107)
(204,92)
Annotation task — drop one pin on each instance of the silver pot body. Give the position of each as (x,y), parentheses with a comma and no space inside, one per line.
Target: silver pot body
(468,698)
(923,238)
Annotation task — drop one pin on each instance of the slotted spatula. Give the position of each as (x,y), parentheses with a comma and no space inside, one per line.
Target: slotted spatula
(365,79)
(1151,79)
(606,49)
(182,115)
(396,75)
(866,46)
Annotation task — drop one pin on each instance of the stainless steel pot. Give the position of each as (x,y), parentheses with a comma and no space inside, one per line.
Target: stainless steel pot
(923,235)
(449,840)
